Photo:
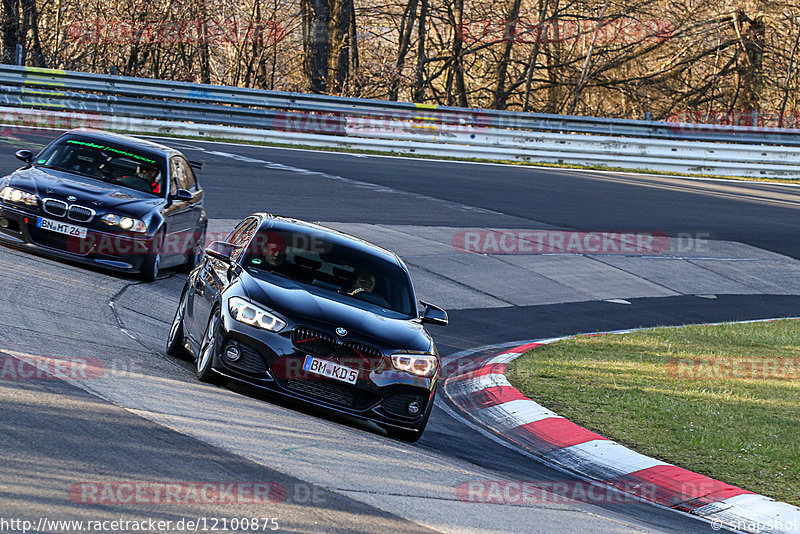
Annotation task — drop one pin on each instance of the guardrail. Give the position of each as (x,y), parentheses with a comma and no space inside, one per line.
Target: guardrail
(180,108)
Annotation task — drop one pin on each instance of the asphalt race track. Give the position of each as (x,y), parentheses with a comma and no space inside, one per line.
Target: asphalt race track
(147,419)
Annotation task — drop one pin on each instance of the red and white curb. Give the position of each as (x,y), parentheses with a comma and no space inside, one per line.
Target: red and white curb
(485,395)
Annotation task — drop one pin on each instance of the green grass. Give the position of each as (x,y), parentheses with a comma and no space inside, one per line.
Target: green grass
(739,426)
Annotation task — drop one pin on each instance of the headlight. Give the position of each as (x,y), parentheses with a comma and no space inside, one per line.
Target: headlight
(416,364)
(248,313)
(128,224)
(11,194)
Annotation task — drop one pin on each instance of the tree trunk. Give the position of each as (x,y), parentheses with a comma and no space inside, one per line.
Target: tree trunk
(500,93)
(458,54)
(202,46)
(355,84)
(585,70)
(752,77)
(406,27)
(787,88)
(419,84)
(552,51)
(10,30)
(316,15)
(30,17)
(340,44)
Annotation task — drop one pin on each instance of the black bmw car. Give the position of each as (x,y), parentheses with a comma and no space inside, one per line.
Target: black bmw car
(106,199)
(314,314)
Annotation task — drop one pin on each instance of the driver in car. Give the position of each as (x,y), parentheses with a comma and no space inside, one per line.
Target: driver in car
(275,252)
(364,287)
(144,173)
(150,175)
(365,282)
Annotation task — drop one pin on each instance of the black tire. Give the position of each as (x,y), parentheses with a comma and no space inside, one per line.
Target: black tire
(177,337)
(196,256)
(152,260)
(411,436)
(208,349)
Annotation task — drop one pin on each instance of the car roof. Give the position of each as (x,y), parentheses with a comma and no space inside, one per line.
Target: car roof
(102,135)
(277,222)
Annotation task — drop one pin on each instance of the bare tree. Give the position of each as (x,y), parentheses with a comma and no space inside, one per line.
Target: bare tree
(30,24)
(10,30)
(316,15)
(419,83)
(341,38)
(404,34)
(626,58)
(510,25)
(456,89)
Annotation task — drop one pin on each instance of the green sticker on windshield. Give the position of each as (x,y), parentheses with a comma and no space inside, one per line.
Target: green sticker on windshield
(41,161)
(256,261)
(110,149)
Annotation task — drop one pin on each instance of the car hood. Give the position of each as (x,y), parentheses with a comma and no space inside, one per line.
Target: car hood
(100,196)
(299,301)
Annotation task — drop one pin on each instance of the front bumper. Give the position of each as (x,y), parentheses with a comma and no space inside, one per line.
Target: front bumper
(113,251)
(271,361)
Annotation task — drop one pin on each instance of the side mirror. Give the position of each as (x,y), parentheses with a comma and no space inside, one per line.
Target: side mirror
(182,195)
(25,155)
(234,270)
(220,250)
(433,315)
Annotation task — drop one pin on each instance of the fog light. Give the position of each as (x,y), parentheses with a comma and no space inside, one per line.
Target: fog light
(232,353)
(3,222)
(413,407)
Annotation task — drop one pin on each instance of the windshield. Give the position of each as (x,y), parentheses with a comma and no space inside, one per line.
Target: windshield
(115,164)
(357,275)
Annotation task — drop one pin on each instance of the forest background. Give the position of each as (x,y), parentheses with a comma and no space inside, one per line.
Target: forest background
(713,61)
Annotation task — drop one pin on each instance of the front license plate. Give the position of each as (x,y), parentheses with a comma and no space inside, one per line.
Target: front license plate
(61,227)
(330,369)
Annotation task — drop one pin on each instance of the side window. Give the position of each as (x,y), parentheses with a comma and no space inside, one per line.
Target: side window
(190,181)
(182,175)
(241,237)
(175,172)
(237,231)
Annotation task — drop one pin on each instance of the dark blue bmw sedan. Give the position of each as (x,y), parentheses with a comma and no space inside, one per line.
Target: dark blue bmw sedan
(105,199)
